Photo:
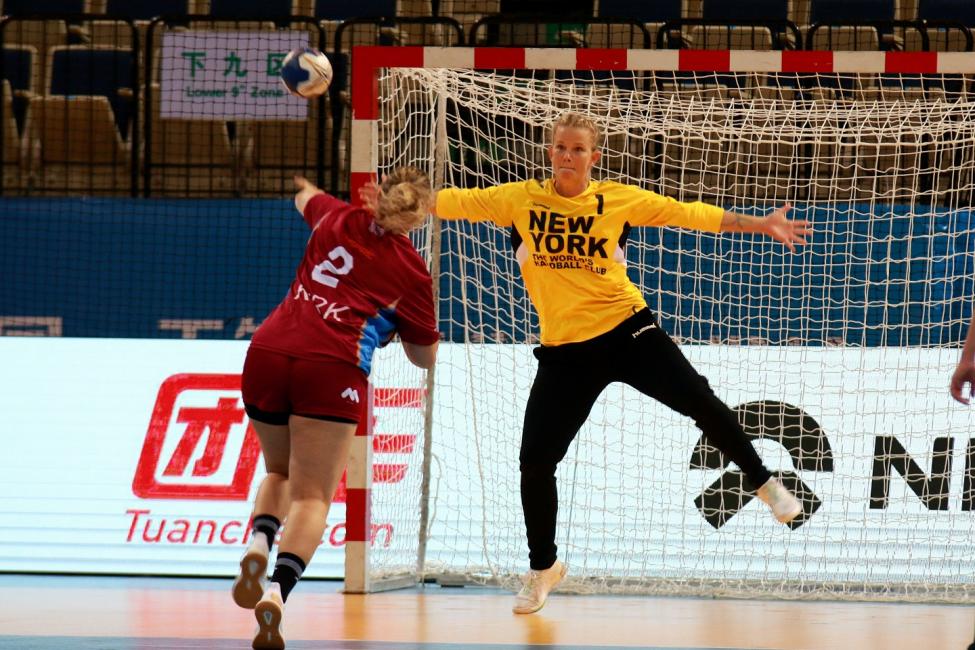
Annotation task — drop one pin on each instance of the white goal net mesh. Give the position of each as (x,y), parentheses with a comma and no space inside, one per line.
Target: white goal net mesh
(837,357)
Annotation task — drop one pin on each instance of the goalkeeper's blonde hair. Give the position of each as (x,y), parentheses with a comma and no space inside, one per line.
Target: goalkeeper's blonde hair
(572,120)
(405,199)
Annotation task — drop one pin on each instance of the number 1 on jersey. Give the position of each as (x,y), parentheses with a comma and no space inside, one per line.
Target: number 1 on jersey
(325,270)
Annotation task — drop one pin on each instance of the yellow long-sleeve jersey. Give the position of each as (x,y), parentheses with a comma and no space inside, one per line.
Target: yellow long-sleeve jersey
(569,251)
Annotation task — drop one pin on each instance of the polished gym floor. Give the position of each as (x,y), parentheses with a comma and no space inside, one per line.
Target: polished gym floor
(89,613)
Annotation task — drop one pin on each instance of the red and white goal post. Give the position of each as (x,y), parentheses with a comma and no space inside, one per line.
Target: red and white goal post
(836,358)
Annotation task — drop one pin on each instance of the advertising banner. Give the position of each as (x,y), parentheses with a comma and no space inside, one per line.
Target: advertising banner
(136,456)
(228,76)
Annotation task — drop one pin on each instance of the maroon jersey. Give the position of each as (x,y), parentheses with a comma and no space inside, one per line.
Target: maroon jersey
(356,285)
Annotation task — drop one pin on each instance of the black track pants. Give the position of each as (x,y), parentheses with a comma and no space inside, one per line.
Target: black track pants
(570,377)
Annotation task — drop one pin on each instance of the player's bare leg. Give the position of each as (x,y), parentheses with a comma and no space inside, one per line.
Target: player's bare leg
(272,500)
(319,451)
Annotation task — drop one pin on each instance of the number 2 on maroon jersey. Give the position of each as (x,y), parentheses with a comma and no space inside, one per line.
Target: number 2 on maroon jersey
(324,271)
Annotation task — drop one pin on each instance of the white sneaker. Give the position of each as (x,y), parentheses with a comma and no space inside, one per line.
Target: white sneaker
(784,505)
(249,585)
(538,585)
(269,612)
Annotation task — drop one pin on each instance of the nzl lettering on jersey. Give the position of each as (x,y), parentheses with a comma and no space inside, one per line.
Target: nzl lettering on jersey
(331,310)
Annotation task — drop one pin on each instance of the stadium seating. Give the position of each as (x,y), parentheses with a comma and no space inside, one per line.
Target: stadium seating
(76,130)
(116,33)
(20,81)
(189,157)
(110,72)
(619,34)
(652,14)
(644,12)
(523,31)
(14,152)
(468,12)
(719,25)
(42,35)
(843,37)
(249,9)
(19,68)
(24,7)
(38,58)
(962,11)
(142,10)
(721,10)
(76,146)
(850,11)
(718,37)
(944,38)
(345,9)
(272,151)
(849,24)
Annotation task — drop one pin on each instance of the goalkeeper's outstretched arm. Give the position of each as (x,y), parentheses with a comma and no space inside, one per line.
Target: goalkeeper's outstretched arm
(776,225)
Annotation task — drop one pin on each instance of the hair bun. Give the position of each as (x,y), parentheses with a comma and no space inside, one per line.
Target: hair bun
(404,199)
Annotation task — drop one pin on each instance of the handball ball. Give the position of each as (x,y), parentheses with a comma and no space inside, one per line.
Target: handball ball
(306,72)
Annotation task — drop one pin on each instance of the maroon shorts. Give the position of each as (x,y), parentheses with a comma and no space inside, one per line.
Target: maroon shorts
(275,385)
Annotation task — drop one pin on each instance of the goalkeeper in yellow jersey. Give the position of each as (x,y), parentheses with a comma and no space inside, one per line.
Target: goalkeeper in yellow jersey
(596,327)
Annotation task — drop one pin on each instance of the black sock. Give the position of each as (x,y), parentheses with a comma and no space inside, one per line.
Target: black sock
(267,524)
(287,572)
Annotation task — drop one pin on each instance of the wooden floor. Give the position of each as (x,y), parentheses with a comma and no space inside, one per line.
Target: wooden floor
(47,612)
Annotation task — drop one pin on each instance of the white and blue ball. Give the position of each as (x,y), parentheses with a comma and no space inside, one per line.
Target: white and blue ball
(306,72)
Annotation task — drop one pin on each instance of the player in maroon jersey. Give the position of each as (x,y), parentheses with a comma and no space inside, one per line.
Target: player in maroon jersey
(304,383)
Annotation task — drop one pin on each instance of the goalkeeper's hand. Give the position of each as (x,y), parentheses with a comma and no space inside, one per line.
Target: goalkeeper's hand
(778,226)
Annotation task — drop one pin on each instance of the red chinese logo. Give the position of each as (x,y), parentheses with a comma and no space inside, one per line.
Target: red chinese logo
(217,413)
(217,421)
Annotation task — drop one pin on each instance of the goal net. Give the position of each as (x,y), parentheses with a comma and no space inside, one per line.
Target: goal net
(836,358)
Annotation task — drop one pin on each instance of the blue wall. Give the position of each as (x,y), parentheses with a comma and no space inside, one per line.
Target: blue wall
(115,267)
(863,280)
